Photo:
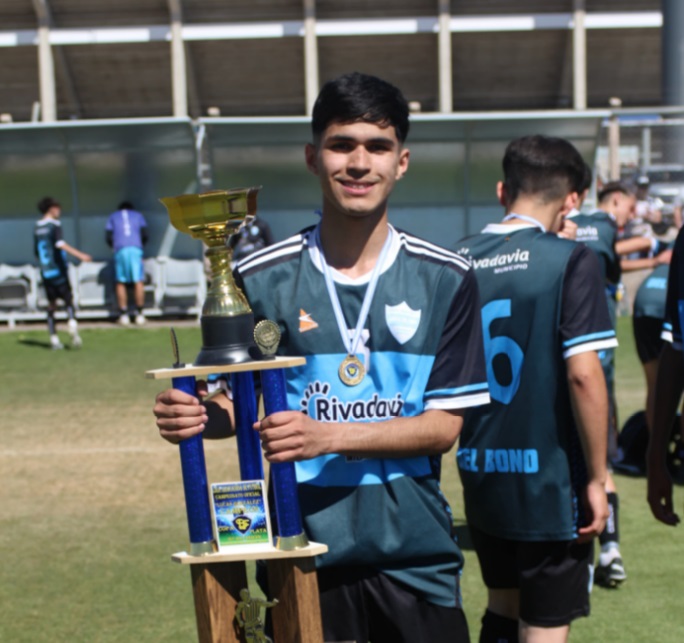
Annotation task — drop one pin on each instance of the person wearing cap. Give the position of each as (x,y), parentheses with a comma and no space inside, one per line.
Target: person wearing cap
(51,250)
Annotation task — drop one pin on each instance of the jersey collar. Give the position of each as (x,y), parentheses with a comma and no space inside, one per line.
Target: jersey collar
(338,277)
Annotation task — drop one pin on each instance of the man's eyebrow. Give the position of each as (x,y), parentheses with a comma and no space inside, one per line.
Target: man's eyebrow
(376,139)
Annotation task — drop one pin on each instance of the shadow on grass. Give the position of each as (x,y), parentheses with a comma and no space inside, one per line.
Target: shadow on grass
(36,343)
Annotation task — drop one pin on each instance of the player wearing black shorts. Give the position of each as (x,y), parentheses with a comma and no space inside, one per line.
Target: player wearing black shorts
(51,249)
(668,392)
(533,462)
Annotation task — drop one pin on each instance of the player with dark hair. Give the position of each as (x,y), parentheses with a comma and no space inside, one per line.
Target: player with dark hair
(51,250)
(390,369)
(603,232)
(126,233)
(533,462)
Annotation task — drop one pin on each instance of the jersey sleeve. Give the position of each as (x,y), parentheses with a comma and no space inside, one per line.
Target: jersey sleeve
(459,378)
(585,321)
(613,268)
(672,326)
(57,236)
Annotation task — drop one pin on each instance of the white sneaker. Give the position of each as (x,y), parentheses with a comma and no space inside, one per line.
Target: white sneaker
(73,326)
(76,341)
(55,343)
(124,320)
(140,319)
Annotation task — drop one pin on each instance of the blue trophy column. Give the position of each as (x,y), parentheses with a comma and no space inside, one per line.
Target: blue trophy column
(290,531)
(249,445)
(195,483)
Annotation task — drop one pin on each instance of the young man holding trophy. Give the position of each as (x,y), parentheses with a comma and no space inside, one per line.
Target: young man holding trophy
(390,328)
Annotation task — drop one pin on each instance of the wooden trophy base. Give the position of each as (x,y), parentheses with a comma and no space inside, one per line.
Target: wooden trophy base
(218,578)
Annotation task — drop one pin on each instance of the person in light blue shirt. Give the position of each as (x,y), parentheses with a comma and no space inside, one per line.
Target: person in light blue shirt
(126,233)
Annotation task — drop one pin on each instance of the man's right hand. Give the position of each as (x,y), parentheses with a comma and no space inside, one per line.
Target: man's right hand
(179,415)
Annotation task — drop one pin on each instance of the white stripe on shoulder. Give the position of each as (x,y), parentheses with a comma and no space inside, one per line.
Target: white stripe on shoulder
(591,346)
(422,247)
(458,402)
(289,246)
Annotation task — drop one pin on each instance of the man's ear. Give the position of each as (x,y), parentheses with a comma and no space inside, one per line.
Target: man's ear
(404,155)
(501,193)
(568,204)
(311,156)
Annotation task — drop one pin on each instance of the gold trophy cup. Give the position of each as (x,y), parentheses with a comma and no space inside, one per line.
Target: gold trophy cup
(227,321)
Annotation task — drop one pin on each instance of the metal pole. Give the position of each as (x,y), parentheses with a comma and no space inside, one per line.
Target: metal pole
(446,93)
(46,70)
(311,82)
(645,149)
(179,80)
(614,142)
(579,56)
(673,52)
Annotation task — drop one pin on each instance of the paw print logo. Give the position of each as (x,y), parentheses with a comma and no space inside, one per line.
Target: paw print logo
(314,391)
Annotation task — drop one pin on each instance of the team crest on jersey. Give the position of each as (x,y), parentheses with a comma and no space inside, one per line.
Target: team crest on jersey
(320,405)
(402,321)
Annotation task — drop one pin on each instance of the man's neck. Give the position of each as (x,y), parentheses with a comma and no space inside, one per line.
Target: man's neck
(353,246)
(545,213)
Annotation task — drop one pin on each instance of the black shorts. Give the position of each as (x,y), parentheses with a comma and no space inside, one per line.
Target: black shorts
(647,337)
(553,577)
(359,605)
(58,289)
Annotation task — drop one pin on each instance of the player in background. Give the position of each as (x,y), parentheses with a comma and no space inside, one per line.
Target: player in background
(51,250)
(126,233)
(533,462)
(600,232)
(669,386)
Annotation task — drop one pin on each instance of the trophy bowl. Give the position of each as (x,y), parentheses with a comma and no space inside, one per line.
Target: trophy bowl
(227,321)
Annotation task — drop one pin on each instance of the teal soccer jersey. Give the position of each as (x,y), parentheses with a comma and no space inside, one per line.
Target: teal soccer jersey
(519,457)
(47,238)
(598,231)
(650,297)
(422,349)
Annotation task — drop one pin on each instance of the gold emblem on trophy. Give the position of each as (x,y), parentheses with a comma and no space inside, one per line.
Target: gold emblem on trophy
(227,321)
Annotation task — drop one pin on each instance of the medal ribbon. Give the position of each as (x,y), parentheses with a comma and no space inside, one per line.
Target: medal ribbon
(367,298)
(526,219)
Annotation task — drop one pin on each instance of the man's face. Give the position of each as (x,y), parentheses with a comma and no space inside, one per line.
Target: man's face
(623,208)
(357,164)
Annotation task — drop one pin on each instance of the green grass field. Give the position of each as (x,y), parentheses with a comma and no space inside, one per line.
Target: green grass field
(92,503)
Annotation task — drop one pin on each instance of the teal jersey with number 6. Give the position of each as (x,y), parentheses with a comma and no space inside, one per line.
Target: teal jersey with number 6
(520,458)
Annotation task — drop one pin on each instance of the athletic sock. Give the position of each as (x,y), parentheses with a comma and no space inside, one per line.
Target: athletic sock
(71,312)
(610,536)
(498,629)
(51,322)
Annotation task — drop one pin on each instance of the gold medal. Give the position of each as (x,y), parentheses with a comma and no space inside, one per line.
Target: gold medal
(351,370)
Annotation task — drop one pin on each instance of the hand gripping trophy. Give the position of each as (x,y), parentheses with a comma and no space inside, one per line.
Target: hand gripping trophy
(231,343)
